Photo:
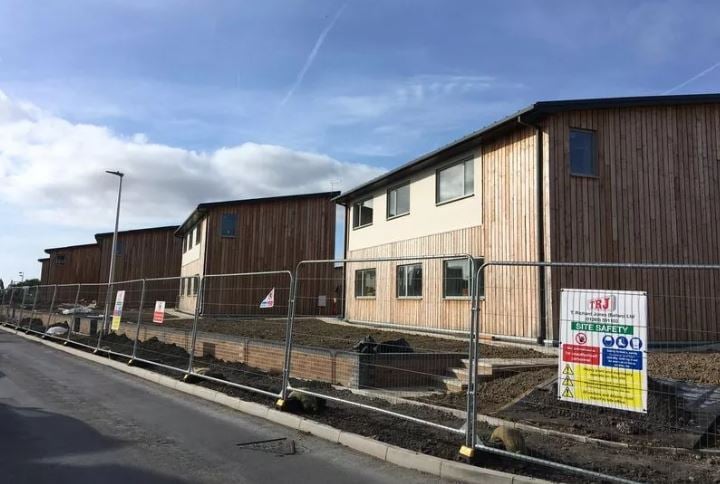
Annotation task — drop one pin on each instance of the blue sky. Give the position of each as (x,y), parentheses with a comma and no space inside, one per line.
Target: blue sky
(201,101)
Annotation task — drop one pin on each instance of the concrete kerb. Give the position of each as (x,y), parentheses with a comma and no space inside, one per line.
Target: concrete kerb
(393,454)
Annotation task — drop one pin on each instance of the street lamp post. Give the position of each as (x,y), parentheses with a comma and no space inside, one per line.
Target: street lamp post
(111,277)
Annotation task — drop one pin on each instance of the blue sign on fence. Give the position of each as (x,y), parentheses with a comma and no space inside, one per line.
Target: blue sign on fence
(614,358)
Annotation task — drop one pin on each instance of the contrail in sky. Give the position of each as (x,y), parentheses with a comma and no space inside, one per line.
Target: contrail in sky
(313,53)
(695,77)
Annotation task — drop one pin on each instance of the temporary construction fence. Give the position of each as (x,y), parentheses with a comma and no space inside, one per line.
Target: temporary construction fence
(279,332)
(388,293)
(639,348)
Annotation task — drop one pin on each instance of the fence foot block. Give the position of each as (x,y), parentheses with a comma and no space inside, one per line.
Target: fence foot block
(130,362)
(280,403)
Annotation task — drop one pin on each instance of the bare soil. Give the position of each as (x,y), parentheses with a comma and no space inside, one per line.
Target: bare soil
(494,394)
(698,367)
(637,464)
(317,333)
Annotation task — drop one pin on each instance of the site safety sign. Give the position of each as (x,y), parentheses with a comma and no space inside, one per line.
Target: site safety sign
(117,311)
(603,348)
(159,313)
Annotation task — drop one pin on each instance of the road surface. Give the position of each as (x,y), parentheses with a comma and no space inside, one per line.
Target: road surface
(63,419)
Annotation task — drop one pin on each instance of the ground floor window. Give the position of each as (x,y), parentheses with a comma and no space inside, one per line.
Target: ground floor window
(458,277)
(365,283)
(409,280)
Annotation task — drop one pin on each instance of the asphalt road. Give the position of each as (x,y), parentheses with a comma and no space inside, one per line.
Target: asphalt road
(68,420)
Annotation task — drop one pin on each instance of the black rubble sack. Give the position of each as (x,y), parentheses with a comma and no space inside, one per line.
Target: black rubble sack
(394,346)
(366,345)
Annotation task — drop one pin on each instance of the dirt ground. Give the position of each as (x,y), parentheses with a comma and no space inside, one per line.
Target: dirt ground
(701,367)
(494,394)
(314,332)
(641,465)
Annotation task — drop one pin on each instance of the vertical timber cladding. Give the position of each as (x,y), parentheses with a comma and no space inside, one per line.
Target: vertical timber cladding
(44,271)
(510,224)
(273,234)
(142,254)
(73,264)
(431,311)
(654,200)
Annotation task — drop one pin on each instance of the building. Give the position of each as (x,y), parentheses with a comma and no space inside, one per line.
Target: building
(252,235)
(71,265)
(598,180)
(141,253)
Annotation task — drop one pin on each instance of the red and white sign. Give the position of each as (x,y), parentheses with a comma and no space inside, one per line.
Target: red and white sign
(269,300)
(603,303)
(581,338)
(586,355)
(159,314)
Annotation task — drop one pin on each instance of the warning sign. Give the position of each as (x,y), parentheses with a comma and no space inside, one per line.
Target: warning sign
(603,360)
(159,313)
(269,300)
(117,310)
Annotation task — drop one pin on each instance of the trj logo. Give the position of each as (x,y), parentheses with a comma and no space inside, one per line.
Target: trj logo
(604,303)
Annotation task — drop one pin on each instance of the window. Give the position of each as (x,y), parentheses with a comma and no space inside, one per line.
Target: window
(229,222)
(188,285)
(196,284)
(190,238)
(398,201)
(456,181)
(458,277)
(184,243)
(119,247)
(583,159)
(409,280)
(60,259)
(363,213)
(197,234)
(182,286)
(365,283)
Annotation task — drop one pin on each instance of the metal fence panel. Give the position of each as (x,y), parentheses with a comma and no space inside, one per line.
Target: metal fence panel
(81,307)
(398,342)
(42,306)
(118,336)
(162,337)
(681,353)
(240,333)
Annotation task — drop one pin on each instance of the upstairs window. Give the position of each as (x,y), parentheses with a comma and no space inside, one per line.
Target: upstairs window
(190,239)
(583,156)
(197,234)
(365,283)
(409,280)
(60,259)
(363,213)
(398,201)
(119,248)
(228,227)
(455,181)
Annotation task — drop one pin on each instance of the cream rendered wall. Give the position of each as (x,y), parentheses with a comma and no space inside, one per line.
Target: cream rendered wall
(425,217)
(193,262)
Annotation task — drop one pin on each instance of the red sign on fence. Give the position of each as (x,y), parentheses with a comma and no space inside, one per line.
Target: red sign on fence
(159,314)
(586,355)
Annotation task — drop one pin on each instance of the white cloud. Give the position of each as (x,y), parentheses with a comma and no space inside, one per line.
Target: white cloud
(52,170)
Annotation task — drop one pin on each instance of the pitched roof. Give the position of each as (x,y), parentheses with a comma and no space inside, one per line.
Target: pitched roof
(529,114)
(203,208)
(137,231)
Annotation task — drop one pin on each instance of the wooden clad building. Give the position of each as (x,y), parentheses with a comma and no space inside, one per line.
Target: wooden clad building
(71,265)
(252,235)
(621,180)
(141,253)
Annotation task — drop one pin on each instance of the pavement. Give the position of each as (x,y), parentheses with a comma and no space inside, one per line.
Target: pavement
(68,420)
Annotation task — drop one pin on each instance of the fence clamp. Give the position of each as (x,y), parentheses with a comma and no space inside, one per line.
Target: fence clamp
(467,452)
